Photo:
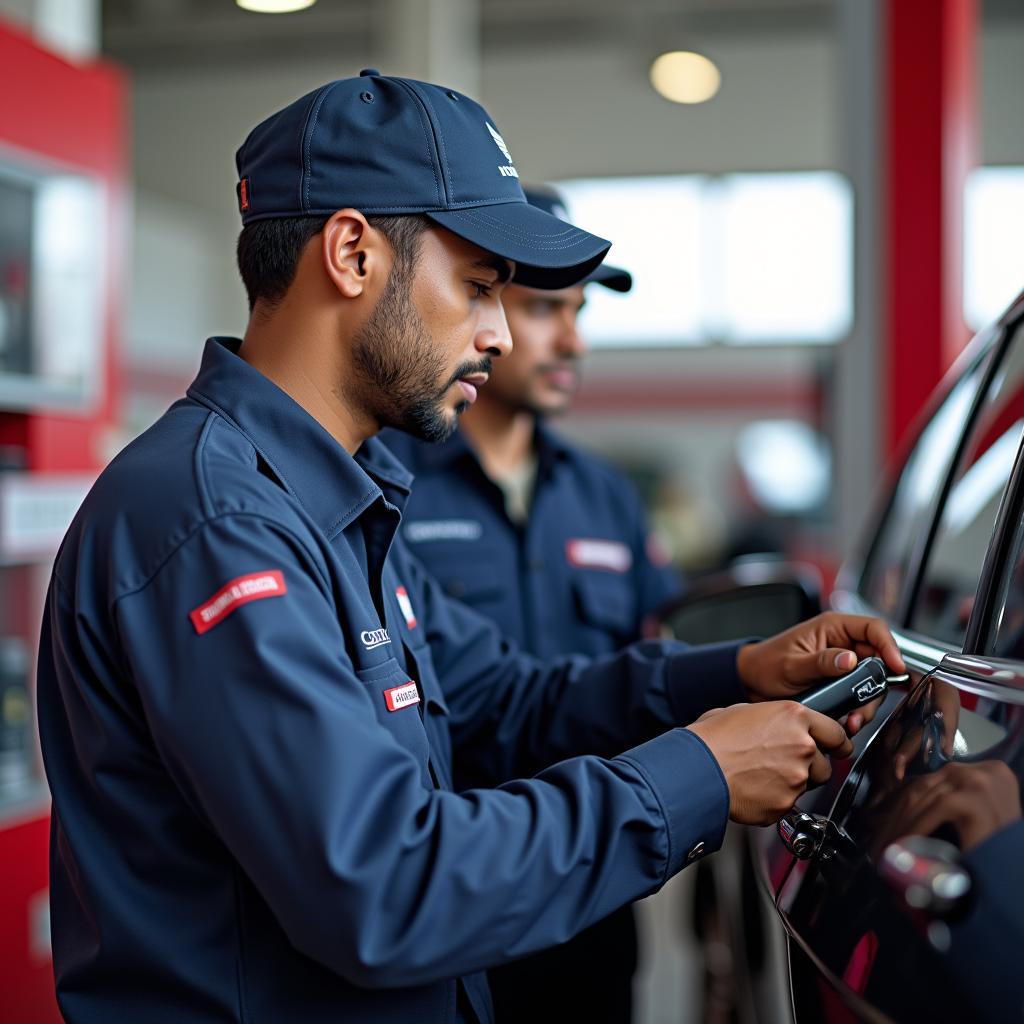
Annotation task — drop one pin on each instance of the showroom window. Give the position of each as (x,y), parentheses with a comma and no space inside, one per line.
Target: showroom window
(950,580)
(767,258)
(993,255)
(740,259)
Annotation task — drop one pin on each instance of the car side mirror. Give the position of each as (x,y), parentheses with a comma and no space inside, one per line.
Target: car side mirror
(748,599)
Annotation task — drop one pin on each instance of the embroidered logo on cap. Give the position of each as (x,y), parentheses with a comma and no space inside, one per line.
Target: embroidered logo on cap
(508,170)
(406,605)
(599,554)
(243,195)
(403,696)
(252,587)
(374,638)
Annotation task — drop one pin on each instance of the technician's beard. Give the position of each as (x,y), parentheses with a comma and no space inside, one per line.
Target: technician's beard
(397,365)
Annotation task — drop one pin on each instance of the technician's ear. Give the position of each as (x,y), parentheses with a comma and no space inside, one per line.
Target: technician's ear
(354,254)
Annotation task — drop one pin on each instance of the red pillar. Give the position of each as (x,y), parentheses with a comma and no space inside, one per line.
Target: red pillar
(928,101)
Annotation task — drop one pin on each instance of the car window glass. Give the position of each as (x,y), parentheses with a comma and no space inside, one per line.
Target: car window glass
(915,495)
(951,574)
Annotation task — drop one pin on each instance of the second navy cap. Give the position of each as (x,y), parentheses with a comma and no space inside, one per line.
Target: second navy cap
(395,146)
(548,199)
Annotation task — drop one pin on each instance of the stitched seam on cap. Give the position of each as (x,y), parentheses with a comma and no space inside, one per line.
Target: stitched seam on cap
(391,207)
(519,236)
(503,200)
(564,233)
(441,147)
(308,143)
(428,131)
(302,153)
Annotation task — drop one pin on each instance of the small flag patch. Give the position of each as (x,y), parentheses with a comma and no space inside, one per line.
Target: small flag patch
(403,696)
(406,605)
(254,586)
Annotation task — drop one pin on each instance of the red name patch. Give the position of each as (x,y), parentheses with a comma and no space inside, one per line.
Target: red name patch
(252,587)
(609,555)
(403,696)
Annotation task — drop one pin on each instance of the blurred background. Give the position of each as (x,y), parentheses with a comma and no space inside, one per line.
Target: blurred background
(820,201)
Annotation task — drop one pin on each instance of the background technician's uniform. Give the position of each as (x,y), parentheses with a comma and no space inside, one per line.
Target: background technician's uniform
(249,697)
(573,576)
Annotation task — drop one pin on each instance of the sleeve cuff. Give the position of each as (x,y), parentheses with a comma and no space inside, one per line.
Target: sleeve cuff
(705,677)
(691,791)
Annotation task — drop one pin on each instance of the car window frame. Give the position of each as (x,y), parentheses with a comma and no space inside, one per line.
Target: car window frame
(996,570)
(985,350)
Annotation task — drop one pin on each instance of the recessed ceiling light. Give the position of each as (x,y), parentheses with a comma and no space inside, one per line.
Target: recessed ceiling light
(685,77)
(274,6)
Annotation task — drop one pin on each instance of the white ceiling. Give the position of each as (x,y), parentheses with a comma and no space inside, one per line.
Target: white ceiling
(158,33)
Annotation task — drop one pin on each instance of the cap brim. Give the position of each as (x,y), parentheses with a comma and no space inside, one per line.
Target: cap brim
(548,252)
(616,278)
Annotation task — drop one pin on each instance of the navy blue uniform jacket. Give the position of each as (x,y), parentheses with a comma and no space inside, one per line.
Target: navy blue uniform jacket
(577,576)
(254,704)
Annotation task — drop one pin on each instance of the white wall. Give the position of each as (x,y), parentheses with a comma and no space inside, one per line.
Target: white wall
(1001,89)
(184,284)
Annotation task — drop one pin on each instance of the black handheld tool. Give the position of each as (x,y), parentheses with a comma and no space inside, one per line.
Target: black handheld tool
(838,697)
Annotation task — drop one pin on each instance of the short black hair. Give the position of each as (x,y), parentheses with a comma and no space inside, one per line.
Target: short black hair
(269,250)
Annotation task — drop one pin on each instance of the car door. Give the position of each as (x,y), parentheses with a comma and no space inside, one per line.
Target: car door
(906,903)
(881,580)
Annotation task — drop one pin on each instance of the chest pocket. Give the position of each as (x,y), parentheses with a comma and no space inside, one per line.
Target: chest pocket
(606,601)
(470,571)
(389,683)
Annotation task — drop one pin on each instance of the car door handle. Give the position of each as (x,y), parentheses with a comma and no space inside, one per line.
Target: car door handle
(802,833)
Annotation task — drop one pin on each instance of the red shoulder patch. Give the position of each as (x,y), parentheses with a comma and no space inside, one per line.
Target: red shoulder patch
(254,586)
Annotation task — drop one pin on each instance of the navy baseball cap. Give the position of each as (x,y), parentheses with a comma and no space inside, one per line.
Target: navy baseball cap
(550,201)
(386,145)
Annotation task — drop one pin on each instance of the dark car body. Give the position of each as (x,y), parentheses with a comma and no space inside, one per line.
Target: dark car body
(907,902)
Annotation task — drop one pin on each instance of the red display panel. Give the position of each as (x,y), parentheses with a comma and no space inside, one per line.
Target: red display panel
(70,117)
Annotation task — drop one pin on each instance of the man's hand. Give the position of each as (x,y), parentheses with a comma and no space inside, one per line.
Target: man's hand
(977,799)
(768,753)
(829,645)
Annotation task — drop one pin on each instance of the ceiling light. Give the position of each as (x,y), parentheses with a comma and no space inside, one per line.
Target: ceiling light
(685,77)
(274,6)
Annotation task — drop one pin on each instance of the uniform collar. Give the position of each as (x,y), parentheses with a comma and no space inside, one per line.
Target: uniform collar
(333,486)
(549,446)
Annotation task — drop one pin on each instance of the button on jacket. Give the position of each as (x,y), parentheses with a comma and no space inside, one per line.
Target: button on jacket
(252,701)
(576,576)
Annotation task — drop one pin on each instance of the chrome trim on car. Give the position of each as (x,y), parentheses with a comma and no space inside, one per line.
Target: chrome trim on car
(919,652)
(998,678)
(1015,310)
